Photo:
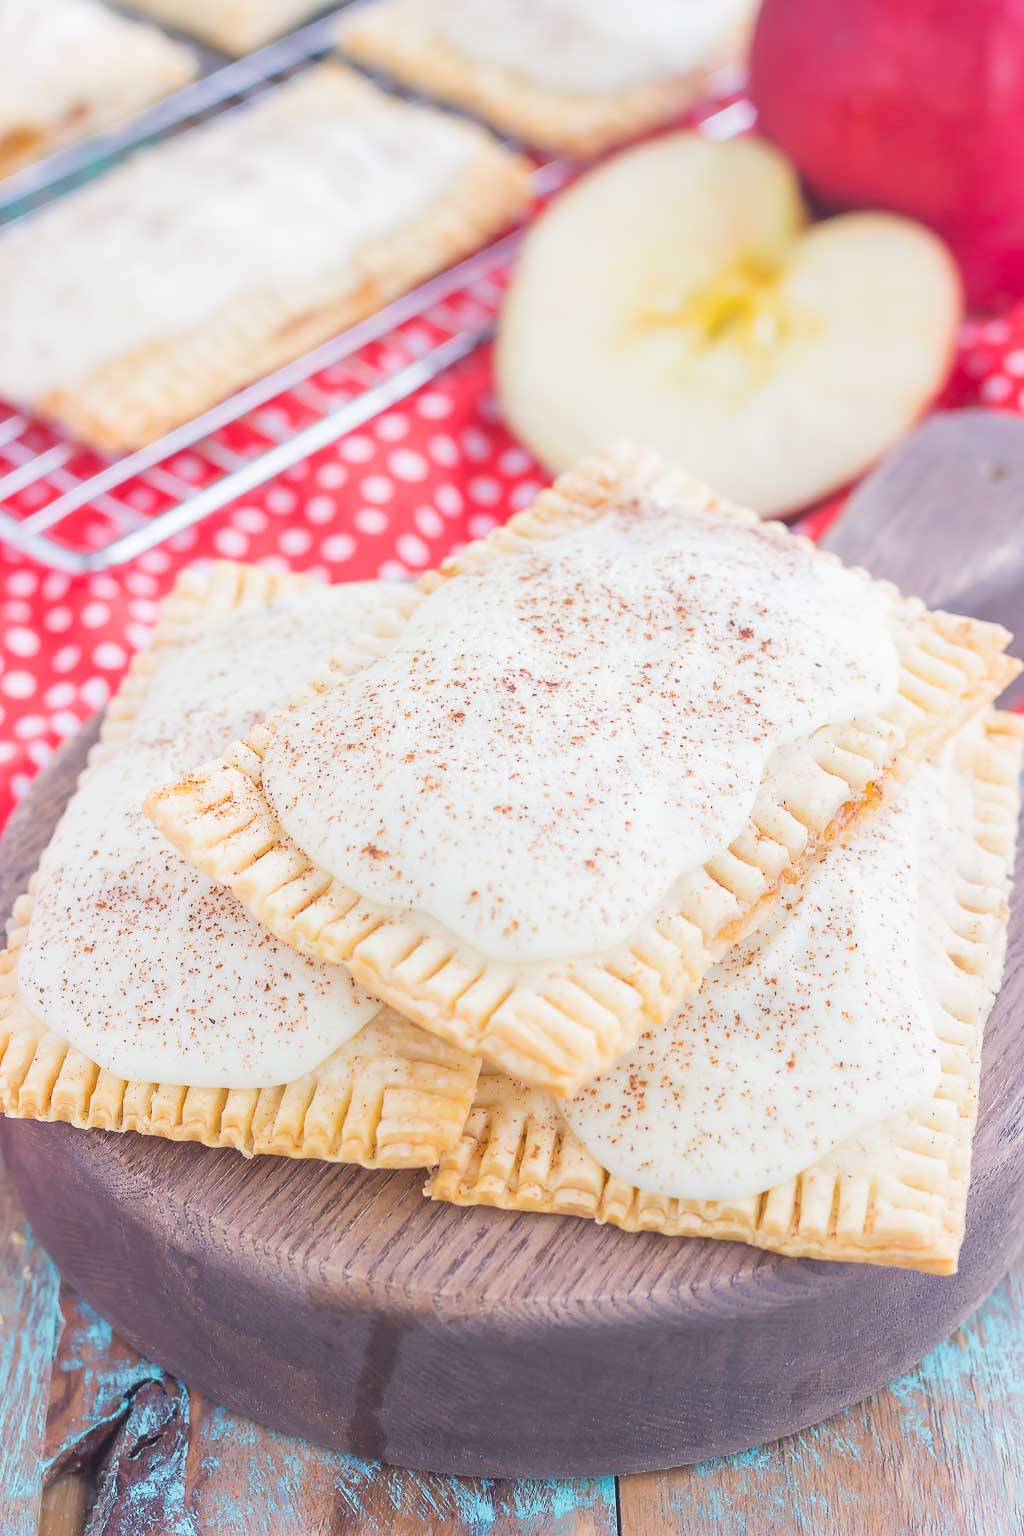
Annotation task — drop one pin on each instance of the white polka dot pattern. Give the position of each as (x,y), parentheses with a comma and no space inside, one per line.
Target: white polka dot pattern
(389,501)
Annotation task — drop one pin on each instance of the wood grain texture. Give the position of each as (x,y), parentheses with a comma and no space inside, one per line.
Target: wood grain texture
(229,1477)
(28,1331)
(407,1503)
(124,1451)
(141,1479)
(334,1303)
(243,1478)
(340,1306)
(117,1435)
(64,1507)
(938,1453)
(94,1377)
(972,464)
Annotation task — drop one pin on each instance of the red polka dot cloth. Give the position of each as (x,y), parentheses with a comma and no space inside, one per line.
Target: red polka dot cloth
(387,501)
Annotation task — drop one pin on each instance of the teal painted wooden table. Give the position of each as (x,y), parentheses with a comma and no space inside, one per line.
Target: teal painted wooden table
(95,1441)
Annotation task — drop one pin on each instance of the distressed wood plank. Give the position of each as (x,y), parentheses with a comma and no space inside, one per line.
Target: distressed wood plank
(29,1320)
(140,1485)
(242,1478)
(226,1476)
(64,1507)
(117,1433)
(95,1375)
(938,1453)
(376,1501)
(119,1420)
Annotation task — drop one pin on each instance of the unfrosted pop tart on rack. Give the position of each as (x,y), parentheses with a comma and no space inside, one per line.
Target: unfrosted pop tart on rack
(71,67)
(819,1096)
(213,258)
(136,995)
(573,76)
(571,767)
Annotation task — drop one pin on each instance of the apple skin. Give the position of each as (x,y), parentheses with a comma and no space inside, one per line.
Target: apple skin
(911,105)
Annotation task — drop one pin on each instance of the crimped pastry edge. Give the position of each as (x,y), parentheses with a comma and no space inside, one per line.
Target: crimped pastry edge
(905,1207)
(568,1021)
(391,1097)
(394,38)
(135,398)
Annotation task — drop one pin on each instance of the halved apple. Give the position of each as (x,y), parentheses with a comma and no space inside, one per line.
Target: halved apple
(677,295)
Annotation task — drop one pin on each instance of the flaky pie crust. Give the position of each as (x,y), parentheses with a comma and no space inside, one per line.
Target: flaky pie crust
(557,1025)
(135,398)
(236,26)
(903,1204)
(137,69)
(391,1097)
(399,38)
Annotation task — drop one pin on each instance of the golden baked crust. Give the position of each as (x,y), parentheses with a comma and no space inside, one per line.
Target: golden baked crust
(135,398)
(561,1023)
(391,1097)
(71,81)
(399,38)
(901,1201)
(236,26)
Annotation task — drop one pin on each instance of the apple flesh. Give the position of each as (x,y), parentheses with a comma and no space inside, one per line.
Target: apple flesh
(677,296)
(910,105)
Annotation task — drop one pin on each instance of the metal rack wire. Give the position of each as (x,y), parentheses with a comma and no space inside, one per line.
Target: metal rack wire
(221,82)
(78,511)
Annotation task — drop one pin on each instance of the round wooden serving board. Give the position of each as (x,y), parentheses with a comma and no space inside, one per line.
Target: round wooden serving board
(340,1305)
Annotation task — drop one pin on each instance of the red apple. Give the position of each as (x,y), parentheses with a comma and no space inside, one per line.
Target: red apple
(912,105)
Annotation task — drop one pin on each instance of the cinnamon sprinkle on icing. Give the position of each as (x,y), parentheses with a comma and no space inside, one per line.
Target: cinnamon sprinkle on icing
(558,736)
(134,956)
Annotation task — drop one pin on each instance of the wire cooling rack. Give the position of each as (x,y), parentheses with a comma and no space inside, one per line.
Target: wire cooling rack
(79,511)
(221,83)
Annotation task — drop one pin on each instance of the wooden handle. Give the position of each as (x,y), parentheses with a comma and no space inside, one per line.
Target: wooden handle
(943,517)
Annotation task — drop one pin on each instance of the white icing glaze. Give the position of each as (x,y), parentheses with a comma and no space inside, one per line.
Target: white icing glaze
(265,202)
(821,1025)
(560,735)
(134,956)
(59,55)
(591,46)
